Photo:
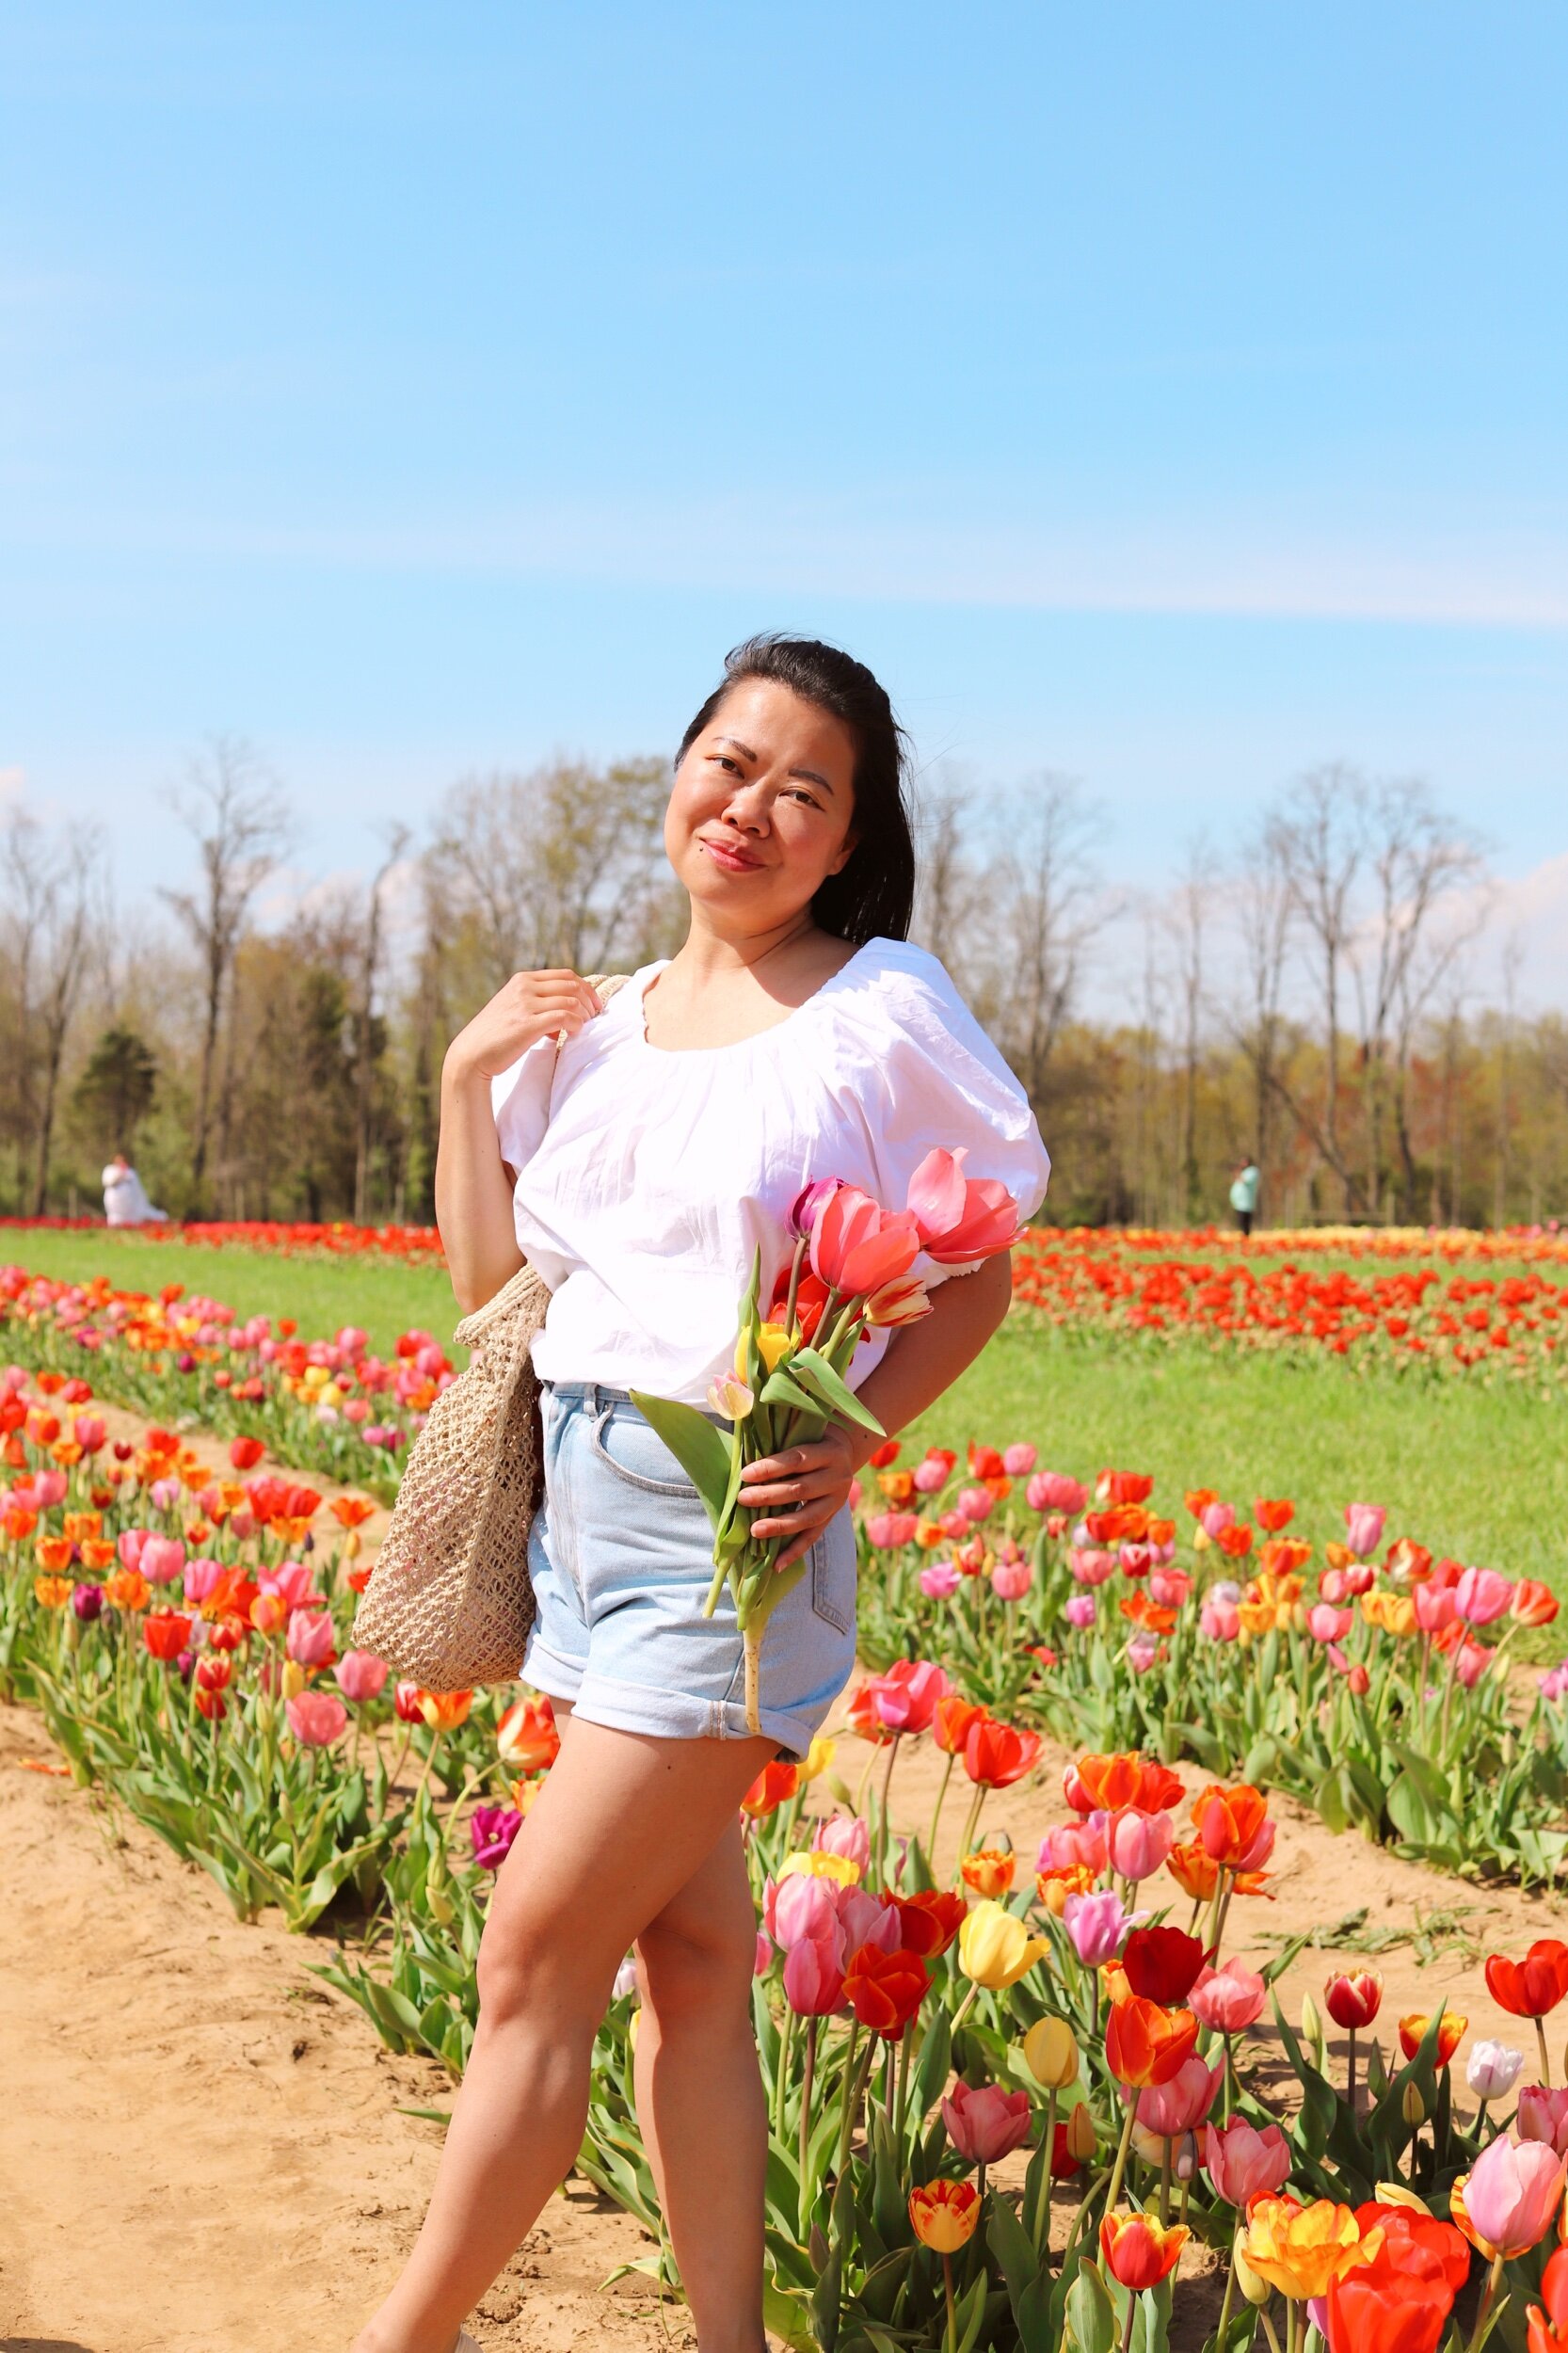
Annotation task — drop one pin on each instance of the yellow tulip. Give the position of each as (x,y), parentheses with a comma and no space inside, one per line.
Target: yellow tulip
(1300,2249)
(1051,2054)
(1081,2134)
(772,1342)
(995,1949)
(294,1679)
(819,1757)
(819,1865)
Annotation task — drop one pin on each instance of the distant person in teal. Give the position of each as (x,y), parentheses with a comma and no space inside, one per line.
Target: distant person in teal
(1243,1193)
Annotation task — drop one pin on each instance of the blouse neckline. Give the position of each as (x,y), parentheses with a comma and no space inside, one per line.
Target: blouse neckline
(641,985)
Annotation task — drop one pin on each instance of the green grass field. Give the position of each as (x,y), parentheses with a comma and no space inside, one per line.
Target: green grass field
(1479,1473)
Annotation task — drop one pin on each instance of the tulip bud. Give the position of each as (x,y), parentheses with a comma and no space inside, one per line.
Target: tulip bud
(1051,2054)
(1396,2194)
(293,1678)
(1312,2023)
(1252,2284)
(1081,2134)
(1413,2107)
(442,1908)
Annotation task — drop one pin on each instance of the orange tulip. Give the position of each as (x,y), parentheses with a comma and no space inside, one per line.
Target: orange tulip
(52,1592)
(989,1870)
(1232,1825)
(1450,2034)
(1145,2044)
(52,1553)
(1053,1888)
(127,1589)
(1272,1516)
(944,2214)
(773,1787)
(1137,2252)
(1533,1603)
(1300,2249)
(949,1726)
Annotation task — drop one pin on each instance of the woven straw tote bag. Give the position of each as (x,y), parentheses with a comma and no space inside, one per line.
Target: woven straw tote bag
(449,1604)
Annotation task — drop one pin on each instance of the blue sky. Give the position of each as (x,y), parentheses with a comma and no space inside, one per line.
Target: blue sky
(1174,397)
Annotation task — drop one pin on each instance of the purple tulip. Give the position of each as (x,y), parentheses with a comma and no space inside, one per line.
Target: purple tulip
(493,1829)
(87,1599)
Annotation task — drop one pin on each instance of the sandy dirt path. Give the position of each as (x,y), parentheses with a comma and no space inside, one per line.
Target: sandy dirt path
(202,2151)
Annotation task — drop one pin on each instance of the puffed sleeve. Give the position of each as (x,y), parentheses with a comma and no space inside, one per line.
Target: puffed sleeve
(520,1098)
(939,1081)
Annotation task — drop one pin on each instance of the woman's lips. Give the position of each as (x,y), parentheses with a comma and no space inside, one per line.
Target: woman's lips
(728,860)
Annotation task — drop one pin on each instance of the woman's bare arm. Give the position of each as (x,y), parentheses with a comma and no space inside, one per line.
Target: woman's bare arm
(920,1361)
(473,1187)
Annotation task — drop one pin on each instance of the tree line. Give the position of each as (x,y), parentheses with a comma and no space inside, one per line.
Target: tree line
(1309,1000)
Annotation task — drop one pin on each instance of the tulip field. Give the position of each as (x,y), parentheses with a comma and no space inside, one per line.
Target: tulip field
(1026,2101)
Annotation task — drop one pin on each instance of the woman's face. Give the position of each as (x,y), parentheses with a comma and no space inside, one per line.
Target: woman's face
(760,813)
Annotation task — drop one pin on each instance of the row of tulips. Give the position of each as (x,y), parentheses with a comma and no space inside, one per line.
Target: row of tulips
(1362,1673)
(1154,1290)
(1009,2111)
(286,1237)
(332,1405)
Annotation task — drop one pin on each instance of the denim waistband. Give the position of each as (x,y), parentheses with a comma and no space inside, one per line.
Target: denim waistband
(597,1393)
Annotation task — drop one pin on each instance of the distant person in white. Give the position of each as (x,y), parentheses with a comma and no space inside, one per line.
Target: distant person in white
(125,1202)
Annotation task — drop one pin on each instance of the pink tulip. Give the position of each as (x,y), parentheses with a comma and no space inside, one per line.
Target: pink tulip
(1364,1526)
(316,1719)
(1554,1682)
(1142,1652)
(1090,1565)
(1170,1589)
(865,1919)
(1329,1625)
(1241,2161)
(92,1432)
(164,1494)
(1471,1661)
(1078,1609)
(1138,1843)
(1544,2115)
(362,1675)
(1011,1579)
(1049,1491)
(976,1503)
(1228,2000)
(1020,1459)
(761,1959)
(906,1697)
(1511,2194)
(986,2125)
(50,1486)
(1483,1594)
(813,1979)
(797,1906)
(1220,1620)
(846,1834)
(1181,2104)
(201,1577)
(269,1613)
(1215,1518)
(1074,1843)
(1435,1606)
(310,1638)
(290,1580)
(856,1246)
(1097,1925)
(939,1580)
(930,1475)
(953,1227)
(887,1531)
(162,1560)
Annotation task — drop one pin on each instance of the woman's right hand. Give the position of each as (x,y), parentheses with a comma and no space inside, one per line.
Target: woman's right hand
(531,1005)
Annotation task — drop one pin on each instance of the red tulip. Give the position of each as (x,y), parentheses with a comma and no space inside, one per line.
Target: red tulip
(928,1922)
(1531,1987)
(166,1632)
(1146,2045)
(884,1989)
(1163,1964)
(1137,2252)
(1353,2000)
(995,1754)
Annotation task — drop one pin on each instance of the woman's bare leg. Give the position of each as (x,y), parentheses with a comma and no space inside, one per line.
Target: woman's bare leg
(622,1824)
(699,2094)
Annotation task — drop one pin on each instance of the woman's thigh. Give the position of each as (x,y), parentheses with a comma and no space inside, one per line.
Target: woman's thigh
(624,1822)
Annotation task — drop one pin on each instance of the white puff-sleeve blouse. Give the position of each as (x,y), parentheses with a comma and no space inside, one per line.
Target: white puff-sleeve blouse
(647,1177)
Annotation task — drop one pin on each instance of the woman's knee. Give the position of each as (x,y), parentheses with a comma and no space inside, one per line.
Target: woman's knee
(697,1972)
(530,1964)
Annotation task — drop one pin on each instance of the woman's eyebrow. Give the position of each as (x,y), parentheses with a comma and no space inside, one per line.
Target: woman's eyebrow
(810,775)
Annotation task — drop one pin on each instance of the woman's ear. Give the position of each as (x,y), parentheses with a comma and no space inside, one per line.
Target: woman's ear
(850,844)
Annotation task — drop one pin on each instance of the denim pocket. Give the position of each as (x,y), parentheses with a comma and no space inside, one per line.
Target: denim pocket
(633,1448)
(834,1564)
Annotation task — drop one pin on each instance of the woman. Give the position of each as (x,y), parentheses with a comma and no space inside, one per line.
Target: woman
(795,1034)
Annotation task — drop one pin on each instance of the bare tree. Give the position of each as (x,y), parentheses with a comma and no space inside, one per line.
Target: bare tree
(397,842)
(1185,920)
(54,886)
(948,884)
(1321,838)
(1265,907)
(229,806)
(1044,905)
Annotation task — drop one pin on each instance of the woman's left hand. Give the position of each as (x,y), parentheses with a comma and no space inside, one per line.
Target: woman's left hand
(816,1473)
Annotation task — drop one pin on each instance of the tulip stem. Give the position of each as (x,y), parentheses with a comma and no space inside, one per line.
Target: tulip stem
(1131,2316)
(1546,2059)
(1119,2169)
(782,2076)
(806,2197)
(904,2049)
(1494,2279)
(972,1828)
(1230,2299)
(1166,2186)
(881,1815)
(1350,2075)
(845,2080)
(941,1794)
(1041,2218)
(953,2313)
(963,2010)
(1271,2332)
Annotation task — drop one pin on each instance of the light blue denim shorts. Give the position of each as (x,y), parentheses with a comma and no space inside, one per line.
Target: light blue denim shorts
(621,1557)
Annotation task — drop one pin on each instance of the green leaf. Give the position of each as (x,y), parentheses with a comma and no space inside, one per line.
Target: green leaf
(700,1448)
(779,1389)
(818,1375)
(1090,2314)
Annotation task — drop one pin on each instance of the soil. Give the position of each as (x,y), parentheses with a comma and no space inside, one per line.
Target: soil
(203,2149)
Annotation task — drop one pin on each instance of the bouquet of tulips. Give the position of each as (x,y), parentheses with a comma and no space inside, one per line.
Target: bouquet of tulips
(850,1271)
